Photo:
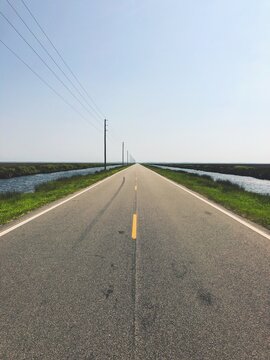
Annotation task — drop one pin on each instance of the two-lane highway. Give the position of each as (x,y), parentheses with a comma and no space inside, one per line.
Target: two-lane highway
(134,268)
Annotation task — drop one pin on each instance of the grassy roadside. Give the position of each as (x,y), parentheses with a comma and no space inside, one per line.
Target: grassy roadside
(254,207)
(259,171)
(10,170)
(13,205)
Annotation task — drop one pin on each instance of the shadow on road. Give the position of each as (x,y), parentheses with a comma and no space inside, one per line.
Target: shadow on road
(98,216)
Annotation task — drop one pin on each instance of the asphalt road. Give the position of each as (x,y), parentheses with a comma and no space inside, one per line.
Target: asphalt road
(193,285)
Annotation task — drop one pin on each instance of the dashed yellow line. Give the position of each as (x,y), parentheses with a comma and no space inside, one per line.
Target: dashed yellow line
(134,227)
(136,187)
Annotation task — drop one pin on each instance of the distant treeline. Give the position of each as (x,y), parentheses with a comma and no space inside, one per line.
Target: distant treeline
(10,170)
(259,171)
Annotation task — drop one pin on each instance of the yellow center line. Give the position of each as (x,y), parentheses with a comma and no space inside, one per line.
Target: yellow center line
(134,227)
(134,218)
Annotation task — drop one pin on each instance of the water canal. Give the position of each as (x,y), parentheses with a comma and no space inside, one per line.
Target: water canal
(247,183)
(26,184)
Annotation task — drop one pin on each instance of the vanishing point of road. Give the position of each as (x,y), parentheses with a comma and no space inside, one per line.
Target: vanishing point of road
(134,268)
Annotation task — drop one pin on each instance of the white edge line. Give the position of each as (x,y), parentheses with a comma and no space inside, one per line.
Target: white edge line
(228,213)
(4,232)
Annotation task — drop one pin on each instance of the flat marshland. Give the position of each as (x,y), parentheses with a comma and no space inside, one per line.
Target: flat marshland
(9,170)
(255,207)
(13,205)
(259,171)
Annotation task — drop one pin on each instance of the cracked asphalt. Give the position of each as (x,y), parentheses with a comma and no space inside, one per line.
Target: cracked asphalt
(193,285)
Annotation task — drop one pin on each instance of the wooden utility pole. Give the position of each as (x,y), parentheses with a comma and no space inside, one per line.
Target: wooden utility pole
(123,153)
(105,144)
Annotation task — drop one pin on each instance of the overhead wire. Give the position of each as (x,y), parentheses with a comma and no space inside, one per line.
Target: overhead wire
(48,85)
(44,62)
(95,108)
(63,60)
(54,61)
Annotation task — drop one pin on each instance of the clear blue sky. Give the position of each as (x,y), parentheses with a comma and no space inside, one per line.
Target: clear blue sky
(178,80)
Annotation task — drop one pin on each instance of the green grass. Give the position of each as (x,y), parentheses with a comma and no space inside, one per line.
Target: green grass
(259,171)
(9,170)
(14,205)
(254,207)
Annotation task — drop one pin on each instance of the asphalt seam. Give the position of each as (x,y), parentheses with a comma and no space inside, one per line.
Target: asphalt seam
(135,280)
(134,297)
(217,207)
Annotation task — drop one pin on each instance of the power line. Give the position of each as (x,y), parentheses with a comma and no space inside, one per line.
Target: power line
(97,110)
(51,57)
(63,60)
(48,85)
(43,61)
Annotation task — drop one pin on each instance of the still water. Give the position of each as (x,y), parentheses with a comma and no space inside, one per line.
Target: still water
(27,183)
(248,183)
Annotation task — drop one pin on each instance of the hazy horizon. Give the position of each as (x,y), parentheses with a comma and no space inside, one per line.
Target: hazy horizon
(181,82)
(138,162)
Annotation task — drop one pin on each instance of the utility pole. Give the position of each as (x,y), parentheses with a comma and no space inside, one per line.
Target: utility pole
(127,157)
(105,144)
(123,153)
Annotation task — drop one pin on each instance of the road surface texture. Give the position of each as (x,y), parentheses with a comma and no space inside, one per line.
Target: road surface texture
(193,285)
